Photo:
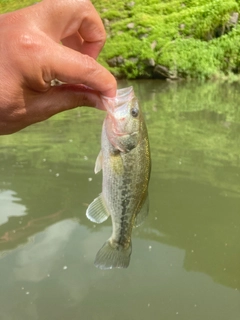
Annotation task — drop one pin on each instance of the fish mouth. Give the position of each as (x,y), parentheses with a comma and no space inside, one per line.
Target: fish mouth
(117,106)
(121,93)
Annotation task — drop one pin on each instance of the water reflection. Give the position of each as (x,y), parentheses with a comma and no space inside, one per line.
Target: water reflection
(10,206)
(35,262)
(185,254)
(199,219)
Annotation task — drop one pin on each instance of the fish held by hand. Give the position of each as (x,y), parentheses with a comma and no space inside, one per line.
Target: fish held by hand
(125,161)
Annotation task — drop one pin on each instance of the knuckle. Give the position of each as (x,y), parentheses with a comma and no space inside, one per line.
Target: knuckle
(13,120)
(17,114)
(90,65)
(102,36)
(28,43)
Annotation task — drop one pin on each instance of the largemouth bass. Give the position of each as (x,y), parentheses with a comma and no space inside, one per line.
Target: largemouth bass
(125,161)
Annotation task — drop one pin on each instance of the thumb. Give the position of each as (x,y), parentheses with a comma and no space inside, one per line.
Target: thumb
(42,106)
(73,17)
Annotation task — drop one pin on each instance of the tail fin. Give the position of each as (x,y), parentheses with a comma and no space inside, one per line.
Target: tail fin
(109,257)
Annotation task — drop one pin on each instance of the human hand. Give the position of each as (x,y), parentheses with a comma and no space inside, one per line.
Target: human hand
(31,55)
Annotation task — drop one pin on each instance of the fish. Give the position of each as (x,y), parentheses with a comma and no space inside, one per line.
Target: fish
(125,162)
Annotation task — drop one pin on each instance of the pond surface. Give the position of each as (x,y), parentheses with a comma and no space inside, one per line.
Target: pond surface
(186,256)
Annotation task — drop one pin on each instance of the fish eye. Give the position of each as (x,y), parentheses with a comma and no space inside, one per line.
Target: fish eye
(134,112)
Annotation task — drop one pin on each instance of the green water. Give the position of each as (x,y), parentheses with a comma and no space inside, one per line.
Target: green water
(186,256)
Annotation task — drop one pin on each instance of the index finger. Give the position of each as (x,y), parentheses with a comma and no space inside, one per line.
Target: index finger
(76,16)
(72,67)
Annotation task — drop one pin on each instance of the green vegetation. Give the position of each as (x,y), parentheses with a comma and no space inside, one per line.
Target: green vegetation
(11,5)
(195,39)
(189,39)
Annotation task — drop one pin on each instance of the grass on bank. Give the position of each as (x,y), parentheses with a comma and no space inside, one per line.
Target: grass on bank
(192,38)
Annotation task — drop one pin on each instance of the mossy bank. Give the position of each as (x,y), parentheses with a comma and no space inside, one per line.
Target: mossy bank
(171,39)
(168,39)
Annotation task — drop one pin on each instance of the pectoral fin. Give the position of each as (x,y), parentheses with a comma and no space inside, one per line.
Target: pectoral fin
(98,163)
(142,214)
(96,211)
